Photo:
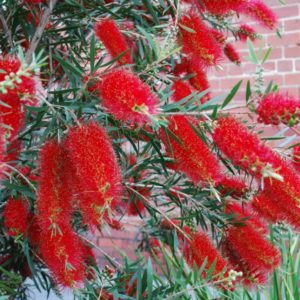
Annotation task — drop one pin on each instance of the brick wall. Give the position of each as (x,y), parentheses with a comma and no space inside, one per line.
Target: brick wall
(283,67)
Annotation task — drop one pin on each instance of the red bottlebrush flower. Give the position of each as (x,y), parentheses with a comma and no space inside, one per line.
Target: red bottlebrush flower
(274,209)
(13,92)
(254,256)
(12,116)
(245,31)
(243,147)
(250,276)
(199,80)
(181,67)
(218,7)
(98,176)
(181,90)
(16,216)
(296,158)
(64,257)
(200,248)
(245,215)
(218,35)
(232,186)
(26,86)
(276,108)
(135,102)
(262,13)
(191,155)
(286,191)
(197,40)
(254,250)
(108,32)
(248,152)
(54,194)
(232,54)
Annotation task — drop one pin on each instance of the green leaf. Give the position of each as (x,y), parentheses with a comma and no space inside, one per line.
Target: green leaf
(232,94)
(248,91)
(267,54)
(252,53)
(149,279)
(187,29)
(68,66)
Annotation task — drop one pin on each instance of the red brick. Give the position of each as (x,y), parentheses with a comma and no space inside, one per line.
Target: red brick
(287,39)
(292,79)
(278,79)
(287,11)
(297,65)
(293,52)
(285,65)
(290,25)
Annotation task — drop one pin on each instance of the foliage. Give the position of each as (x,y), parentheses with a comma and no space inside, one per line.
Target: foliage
(56,45)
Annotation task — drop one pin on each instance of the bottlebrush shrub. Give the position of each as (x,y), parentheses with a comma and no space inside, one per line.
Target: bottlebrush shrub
(275,209)
(245,150)
(108,32)
(181,90)
(199,249)
(245,31)
(218,8)
(232,54)
(191,155)
(276,108)
(254,256)
(54,195)
(197,40)
(96,170)
(117,72)
(199,78)
(136,103)
(231,186)
(63,254)
(258,10)
(16,216)
(17,87)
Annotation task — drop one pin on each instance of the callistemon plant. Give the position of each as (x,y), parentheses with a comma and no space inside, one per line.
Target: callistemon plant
(108,123)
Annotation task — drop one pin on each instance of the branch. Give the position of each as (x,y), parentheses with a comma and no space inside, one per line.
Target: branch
(39,31)
(6,29)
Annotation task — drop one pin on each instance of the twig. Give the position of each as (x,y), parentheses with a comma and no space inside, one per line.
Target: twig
(39,31)
(6,29)
(101,250)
